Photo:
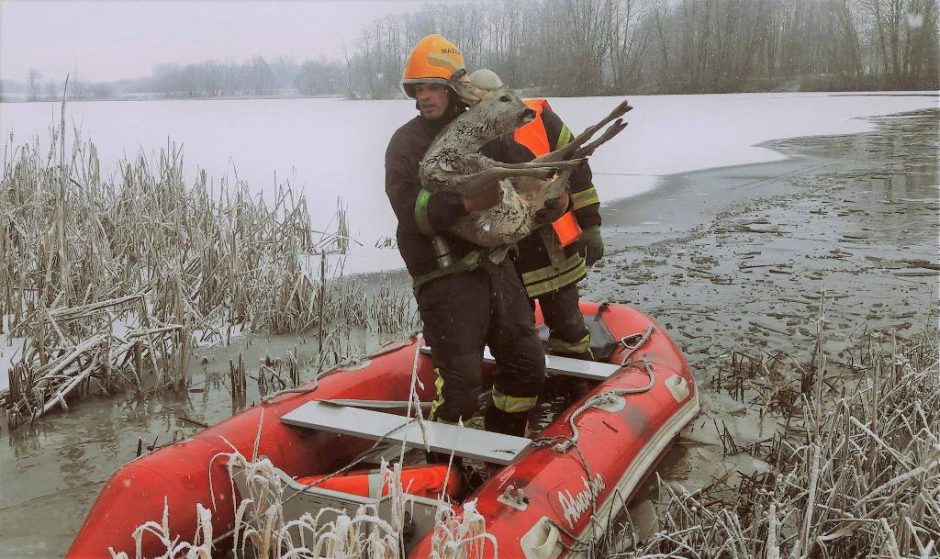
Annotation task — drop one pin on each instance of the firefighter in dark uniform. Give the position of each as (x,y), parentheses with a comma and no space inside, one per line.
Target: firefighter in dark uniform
(467,296)
(551,270)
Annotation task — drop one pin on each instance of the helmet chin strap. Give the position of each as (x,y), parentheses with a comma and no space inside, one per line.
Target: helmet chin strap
(458,74)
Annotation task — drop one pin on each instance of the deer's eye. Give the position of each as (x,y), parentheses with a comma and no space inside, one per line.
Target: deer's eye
(504,98)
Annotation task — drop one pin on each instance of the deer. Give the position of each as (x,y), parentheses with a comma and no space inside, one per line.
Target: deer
(454,163)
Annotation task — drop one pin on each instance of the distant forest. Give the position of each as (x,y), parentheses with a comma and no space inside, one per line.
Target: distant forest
(598,47)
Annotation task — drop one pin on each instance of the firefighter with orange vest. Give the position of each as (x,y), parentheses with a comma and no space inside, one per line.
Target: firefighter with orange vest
(468,296)
(552,260)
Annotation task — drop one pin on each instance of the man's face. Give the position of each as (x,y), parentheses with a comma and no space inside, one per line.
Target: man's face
(432,99)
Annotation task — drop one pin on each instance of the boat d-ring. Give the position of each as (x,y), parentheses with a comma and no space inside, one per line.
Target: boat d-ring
(634,342)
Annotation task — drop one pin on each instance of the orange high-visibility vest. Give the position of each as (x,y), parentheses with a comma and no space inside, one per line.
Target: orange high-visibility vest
(534,136)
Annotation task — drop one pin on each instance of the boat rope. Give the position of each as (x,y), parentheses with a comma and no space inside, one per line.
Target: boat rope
(297,390)
(634,342)
(364,454)
(384,349)
(562,443)
(376,404)
(356,461)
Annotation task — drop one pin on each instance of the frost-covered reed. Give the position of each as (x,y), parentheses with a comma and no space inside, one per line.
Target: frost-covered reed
(854,473)
(109,278)
(262,530)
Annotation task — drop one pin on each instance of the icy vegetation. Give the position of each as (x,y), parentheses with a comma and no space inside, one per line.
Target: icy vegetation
(263,531)
(853,471)
(110,282)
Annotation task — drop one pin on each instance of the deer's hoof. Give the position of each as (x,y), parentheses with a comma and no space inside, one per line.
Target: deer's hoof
(623,108)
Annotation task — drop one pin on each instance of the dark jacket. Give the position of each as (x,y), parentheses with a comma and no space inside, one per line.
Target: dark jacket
(405,150)
(422,213)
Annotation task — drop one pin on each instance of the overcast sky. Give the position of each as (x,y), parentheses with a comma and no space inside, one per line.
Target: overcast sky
(105,40)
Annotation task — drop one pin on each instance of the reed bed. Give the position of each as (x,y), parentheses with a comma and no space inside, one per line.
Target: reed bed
(89,264)
(73,348)
(854,473)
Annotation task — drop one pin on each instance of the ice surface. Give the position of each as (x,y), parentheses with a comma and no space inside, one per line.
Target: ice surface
(332,147)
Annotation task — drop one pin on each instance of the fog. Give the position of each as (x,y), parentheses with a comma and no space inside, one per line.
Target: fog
(111,40)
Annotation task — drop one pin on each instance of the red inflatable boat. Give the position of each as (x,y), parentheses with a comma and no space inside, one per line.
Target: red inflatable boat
(553,493)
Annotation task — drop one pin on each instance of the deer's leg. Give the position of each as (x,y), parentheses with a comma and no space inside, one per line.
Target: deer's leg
(566,151)
(568,164)
(473,183)
(612,130)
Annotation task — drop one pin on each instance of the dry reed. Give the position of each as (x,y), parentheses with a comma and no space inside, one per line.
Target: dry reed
(115,280)
(855,472)
(262,530)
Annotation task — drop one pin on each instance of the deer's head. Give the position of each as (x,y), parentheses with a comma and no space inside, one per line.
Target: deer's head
(502,111)
(492,103)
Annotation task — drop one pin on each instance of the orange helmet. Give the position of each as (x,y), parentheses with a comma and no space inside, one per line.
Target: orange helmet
(433,60)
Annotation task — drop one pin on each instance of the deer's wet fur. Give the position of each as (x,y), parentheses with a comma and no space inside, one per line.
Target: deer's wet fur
(454,163)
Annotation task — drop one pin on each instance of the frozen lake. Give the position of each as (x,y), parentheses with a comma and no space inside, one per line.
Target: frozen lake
(331,148)
(52,473)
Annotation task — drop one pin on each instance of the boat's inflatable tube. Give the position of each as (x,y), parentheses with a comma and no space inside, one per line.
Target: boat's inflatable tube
(562,490)
(427,480)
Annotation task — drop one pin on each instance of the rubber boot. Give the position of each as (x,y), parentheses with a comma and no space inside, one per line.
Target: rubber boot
(575,389)
(498,421)
(570,388)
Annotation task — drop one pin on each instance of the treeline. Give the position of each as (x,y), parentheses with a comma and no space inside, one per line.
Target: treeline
(596,47)
(40,88)
(253,78)
(256,77)
(591,47)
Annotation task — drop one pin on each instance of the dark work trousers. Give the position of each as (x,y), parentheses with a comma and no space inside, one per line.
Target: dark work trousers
(462,312)
(568,336)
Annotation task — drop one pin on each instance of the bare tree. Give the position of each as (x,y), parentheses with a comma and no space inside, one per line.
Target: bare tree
(587,38)
(52,89)
(33,85)
(629,42)
(905,35)
(589,47)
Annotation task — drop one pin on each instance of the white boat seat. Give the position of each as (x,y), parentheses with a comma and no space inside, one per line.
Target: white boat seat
(368,424)
(563,366)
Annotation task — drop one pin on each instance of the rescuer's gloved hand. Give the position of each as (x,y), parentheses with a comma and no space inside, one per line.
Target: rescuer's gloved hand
(591,245)
(553,209)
